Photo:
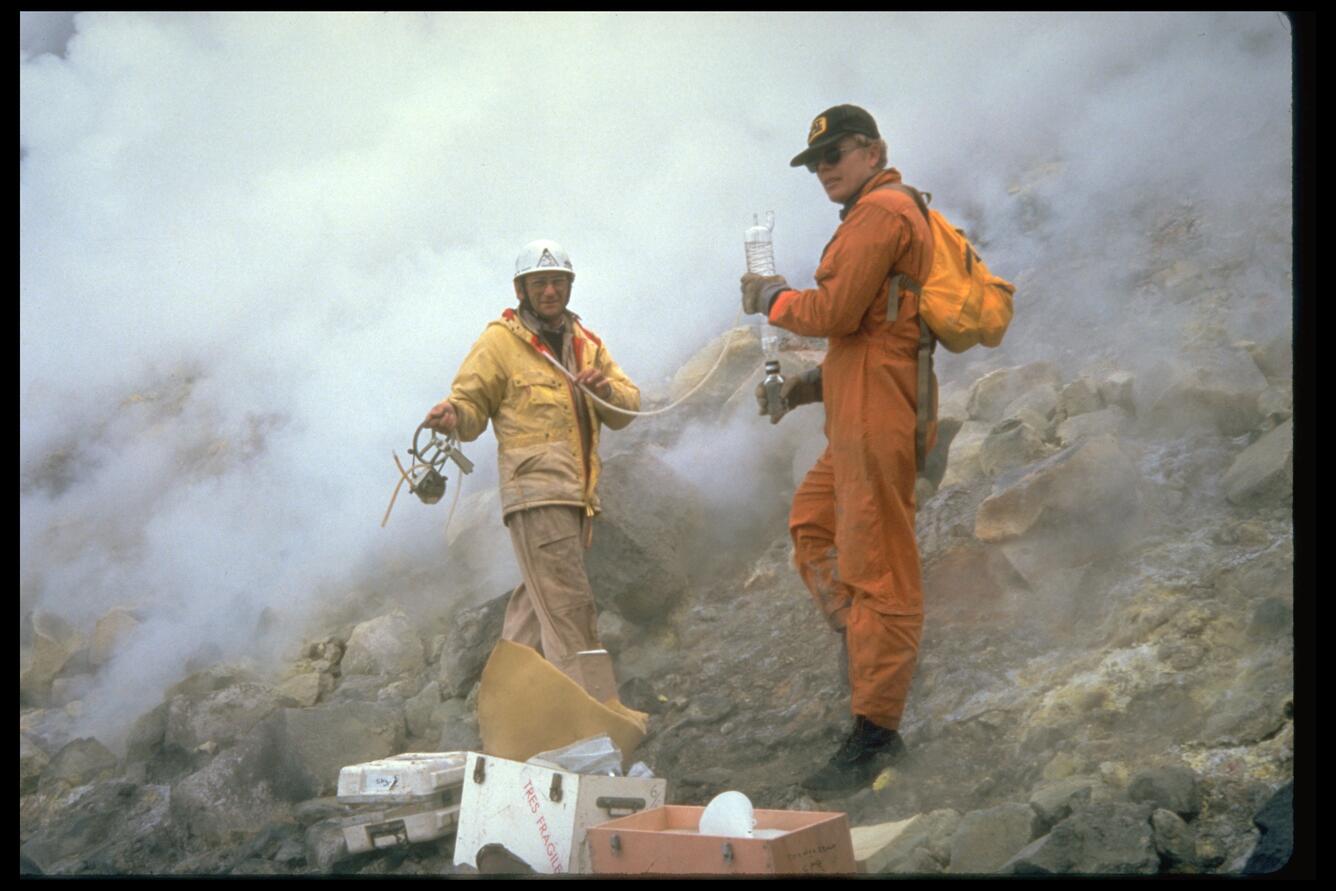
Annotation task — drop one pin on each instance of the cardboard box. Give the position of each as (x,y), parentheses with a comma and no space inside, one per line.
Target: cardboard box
(401,779)
(665,841)
(541,815)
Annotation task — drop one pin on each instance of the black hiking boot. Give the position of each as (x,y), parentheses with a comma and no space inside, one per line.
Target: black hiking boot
(868,750)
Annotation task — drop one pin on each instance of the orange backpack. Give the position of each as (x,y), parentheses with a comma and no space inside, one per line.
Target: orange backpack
(961,304)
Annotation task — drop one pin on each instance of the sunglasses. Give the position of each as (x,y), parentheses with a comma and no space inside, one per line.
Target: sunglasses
(831,156)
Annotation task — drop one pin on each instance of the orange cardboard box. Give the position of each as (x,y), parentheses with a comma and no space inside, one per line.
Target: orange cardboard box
(665,841)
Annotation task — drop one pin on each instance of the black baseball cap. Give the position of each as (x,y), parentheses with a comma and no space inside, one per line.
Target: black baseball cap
(832,124)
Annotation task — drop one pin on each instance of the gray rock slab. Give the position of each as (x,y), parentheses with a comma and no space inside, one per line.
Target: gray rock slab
(1037,407)
(1264,470)
(106,829)
(215,677)
(146,734)
(985,840)
(1111,838)
(386,645)
(1173,788)
(468,643)
(311,745)
(221,716)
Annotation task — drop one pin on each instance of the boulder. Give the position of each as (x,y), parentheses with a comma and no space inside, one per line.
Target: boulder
(1037,407)
(215,677)
(305,689)
(309,746)
(1276,823)
(222,716)
(1079,397)
(232,797)
(1174,840)
(53,643)
(110,630)
(146,735)
(1172,788)
(468,643)
(387,645)
(962,464)
(1250,706)
(1010,444)
(1264,471)
(1276,405)
(1091,485)
(741,359)
(1111,838)
(1117,389)
(1054,801)
(917,845)
(80,761)
(985,840)
(1204,400)
(1274,359)
(32,761)
(1104,422)
(637,563)
(993,392)
(325,845)
(419,710)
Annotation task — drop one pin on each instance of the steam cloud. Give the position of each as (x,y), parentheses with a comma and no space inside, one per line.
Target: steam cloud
(254,248)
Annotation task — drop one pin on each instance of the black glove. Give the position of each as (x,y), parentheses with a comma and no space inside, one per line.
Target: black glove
(798,389)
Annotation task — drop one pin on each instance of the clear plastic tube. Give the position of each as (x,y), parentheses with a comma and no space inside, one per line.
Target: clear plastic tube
(760,249)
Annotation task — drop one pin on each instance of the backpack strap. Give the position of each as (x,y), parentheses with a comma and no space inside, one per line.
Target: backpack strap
(924,413)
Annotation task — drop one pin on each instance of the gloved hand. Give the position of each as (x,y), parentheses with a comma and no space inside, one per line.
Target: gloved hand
(799,389)
(759,290)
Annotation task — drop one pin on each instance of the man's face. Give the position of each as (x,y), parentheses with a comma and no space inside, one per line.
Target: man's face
(844,168)
(548,294)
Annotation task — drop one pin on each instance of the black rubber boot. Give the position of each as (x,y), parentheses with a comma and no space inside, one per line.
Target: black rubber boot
(868,750)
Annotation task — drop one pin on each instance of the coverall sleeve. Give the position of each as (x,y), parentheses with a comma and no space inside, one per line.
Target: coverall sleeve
(849,277)
(624,393)
(478,388)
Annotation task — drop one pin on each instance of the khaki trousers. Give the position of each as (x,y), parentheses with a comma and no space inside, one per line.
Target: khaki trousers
(553,608)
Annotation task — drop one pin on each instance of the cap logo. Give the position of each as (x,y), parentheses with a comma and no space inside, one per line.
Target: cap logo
(818,128)
(547,259)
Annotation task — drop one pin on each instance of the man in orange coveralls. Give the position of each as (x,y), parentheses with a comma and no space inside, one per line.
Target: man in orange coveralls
(852,520)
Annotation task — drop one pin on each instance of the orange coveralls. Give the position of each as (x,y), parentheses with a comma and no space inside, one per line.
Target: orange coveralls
(852,520)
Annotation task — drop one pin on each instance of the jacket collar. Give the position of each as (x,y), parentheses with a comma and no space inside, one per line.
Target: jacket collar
(884,177)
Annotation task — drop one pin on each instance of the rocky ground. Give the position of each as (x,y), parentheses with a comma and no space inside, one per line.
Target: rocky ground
(1105,686)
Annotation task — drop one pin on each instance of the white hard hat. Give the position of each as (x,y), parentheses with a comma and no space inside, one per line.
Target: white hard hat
(542,256)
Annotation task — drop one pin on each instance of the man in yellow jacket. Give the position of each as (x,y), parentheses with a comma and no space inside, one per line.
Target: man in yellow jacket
(547,430)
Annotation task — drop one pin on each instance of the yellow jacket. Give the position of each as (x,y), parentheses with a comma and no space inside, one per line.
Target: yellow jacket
(540,458)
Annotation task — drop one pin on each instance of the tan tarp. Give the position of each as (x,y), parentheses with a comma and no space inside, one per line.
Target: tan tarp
(526,706)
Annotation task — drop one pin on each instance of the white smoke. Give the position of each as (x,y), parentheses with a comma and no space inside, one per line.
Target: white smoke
(254,248)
